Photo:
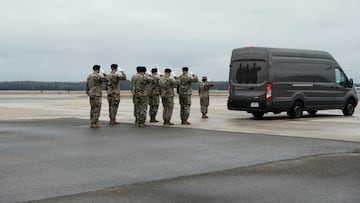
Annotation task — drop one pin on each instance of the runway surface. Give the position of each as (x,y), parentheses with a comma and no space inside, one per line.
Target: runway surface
(48,153)
(322,179)
(55,157)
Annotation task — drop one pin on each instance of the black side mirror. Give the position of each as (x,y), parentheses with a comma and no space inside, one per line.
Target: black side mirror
(351,83)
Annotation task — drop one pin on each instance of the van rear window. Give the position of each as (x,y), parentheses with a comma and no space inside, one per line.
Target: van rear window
(248,72)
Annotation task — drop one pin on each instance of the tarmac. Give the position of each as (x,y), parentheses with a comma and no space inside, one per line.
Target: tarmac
(49,154)
(311,179)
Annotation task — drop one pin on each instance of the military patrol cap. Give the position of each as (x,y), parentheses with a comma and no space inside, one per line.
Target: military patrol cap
(138,69)
(154,70)
(96,67)
(114,66)
(167,70)
(204,78)
(141,69)
(185,69)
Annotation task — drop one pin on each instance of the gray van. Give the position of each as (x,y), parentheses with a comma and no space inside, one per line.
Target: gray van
(263,80)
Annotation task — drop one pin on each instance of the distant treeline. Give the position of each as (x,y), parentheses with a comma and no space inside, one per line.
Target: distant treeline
(75,86)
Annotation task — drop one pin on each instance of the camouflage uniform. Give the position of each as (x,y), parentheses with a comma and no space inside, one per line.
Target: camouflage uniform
(93,90)
(134,78)
(204,97)
(167,96)
(154,99)
(113,94)
(185,92)
(141,90)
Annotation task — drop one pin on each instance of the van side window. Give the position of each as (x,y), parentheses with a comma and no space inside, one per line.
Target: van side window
(299,71)
(340,77)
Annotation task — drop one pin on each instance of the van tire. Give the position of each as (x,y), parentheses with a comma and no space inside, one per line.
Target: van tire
(258,115)
(297,110)
(312,112)
(349,108)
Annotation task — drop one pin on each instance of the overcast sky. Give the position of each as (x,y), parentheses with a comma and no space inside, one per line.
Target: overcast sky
(60,40)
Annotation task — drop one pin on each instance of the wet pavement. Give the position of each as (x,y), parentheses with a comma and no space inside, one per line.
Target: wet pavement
(327,124)
(48,151)
(55,157)
(322,179)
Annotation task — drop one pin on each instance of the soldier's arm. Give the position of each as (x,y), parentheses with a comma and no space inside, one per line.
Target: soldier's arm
(156,80)
(210,84)
(195,78)
(175,81)
(87,88)
(102,78)
(150,79)
(122,76)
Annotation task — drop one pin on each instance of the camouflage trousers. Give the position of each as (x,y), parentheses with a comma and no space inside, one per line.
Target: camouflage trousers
(141,103)
(168,104)
(114,101)
(95,104)
(135,107)
(154,105)
(204,103)
(185,104)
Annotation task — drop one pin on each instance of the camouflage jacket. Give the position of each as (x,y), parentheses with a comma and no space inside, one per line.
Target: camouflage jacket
(204,88)
(142,85)
(93,85)
(186,84)
(155,88)
(167,86)
(113,83)
(133,82)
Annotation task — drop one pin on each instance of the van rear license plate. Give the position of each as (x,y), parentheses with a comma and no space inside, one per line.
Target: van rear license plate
(254,104)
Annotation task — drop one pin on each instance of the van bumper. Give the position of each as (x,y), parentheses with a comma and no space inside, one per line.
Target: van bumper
(264,106)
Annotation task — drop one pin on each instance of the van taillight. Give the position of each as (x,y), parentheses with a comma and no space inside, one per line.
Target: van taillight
(268,91)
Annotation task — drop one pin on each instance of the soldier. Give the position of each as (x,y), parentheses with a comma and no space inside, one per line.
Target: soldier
(204,95)
(185,92)
(167,95)
(141,90)
(93,90)
(132,88)
(113,92)
(154,96)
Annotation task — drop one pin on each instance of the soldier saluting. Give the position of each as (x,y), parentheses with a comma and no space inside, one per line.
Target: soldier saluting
(154,96)
(167,95)
(141,90)
(93,90)
(134,78)
(113,91)
(204,95)
(185,93)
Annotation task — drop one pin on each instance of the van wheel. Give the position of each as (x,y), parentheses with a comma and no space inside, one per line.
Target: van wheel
(258,115)
(312,112)
(349,108)
(297,110)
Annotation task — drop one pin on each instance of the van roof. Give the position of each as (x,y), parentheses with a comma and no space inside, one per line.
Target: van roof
(287,52)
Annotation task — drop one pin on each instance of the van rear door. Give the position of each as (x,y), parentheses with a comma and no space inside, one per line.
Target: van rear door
(248,79)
